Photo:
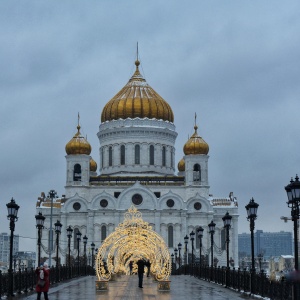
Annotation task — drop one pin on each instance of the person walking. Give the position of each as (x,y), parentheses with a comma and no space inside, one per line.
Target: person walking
(43,282)
(130,266)
(141,265)
(148,264)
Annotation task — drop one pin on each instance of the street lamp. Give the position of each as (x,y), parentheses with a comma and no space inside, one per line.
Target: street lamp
(211,228)
(179,249)
(69,235)
(186,240)
(58,227)
(78,236)
(251,208)
(93,248)
(293,194)
(12,216)
(176,252)
(200,236)
(227,224)
(39,225)
(85,238)
(192,237)
(52,194)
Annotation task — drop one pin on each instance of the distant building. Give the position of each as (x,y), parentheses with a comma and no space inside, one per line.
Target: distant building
(24,259)
(4,247)
(270,244)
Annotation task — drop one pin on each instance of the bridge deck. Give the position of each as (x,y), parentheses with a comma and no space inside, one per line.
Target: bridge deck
(126,287)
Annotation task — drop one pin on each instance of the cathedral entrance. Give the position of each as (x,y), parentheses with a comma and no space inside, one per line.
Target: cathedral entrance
(132,240)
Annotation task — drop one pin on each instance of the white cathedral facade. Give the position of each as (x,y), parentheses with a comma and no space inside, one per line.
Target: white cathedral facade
(137,138)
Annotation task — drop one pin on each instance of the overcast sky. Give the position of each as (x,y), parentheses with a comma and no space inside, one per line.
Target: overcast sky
(235,63)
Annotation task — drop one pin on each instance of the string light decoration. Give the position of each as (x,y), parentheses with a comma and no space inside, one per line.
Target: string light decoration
(132,240)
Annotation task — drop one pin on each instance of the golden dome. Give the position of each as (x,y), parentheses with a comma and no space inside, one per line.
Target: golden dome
(93,165)
(181,165)
(195,144)
(78,144)
(137,100)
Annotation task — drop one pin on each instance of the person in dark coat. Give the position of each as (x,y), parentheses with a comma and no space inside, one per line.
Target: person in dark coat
(130,266)
(42,275)
(141,265)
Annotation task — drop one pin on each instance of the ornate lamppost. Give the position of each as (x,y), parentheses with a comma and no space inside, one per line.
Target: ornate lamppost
(251,208)
(12,216)
(192,237)
(179,250)
(58,227)
(85,238)
(78,236)
(93,248)
(39,225)
(200,235)
(227,224)
(176,252)
(186,240)
(211,228)
(52,194)
(69,235)
(293,194)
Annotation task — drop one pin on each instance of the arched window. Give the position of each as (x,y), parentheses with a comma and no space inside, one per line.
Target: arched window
(170,236)
(103,233)
(172,165)
(151,155)
(197,172)
(137,154)
(122,155)
(102,157)
(163,156)
(77,172)
(110,156)
(75,238)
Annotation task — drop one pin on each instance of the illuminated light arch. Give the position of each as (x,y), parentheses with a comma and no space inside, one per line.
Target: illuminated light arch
(132,240)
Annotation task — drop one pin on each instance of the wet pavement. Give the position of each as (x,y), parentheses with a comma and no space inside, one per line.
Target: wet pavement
(126,287)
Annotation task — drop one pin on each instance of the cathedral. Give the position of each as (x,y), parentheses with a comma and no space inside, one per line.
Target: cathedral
(136,166)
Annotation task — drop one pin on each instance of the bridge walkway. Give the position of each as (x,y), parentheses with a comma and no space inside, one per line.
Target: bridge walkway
(126,288)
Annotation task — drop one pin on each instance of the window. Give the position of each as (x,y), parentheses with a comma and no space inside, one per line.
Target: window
(110,156)
(103,233)
(122,155)
(172,165)
(170,203)
(197,205)
(75,238)
(151,154)
(102,158)
(103,203)
(77,172)
(170,236)
(163,156)
(76,206)
(137,154)
(223,239)
(117,194)
(197,240)
(197,173)
(157,194)
(137,199)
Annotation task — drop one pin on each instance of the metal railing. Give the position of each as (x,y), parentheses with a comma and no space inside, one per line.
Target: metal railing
(241,280)
(25,281)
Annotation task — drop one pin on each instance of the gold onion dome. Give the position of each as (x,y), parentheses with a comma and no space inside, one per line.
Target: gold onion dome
(195,144)
(181,165)
(137,100)
(78,144)
(93,165)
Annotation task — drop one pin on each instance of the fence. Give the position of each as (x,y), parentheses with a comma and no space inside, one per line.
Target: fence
(25,281)
(241,281)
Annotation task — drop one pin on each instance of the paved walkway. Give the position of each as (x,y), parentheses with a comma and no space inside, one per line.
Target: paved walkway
(126,288)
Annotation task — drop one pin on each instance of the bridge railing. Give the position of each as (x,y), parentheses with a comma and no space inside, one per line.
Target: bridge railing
(241,280)
(25,281)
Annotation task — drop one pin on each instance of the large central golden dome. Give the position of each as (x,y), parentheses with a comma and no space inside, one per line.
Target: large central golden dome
(137,100)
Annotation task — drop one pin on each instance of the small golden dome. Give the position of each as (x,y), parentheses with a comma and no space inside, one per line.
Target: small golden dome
(78,144)
(195,144)
(93,165)
(137,100)
(181,165)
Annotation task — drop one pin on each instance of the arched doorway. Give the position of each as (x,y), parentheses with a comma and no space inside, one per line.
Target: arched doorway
(132,240)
